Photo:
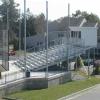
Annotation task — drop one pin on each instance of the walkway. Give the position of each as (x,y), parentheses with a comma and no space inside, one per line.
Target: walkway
(93,94)
(90,94)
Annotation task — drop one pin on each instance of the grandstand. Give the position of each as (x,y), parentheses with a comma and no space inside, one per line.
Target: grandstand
(57,53)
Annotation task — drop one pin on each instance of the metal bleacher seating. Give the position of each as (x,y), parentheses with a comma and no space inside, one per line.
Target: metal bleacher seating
(37,60)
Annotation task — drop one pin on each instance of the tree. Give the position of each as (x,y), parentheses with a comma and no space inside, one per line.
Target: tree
(12,17)
(77,13)
(89,17)
(79,63)
(30,26)
(40,23)
(93,18)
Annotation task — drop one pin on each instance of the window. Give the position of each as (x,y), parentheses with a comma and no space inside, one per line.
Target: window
(60,35)
(76,34)
(98,40)
(79,36)
(39,43)
(72,34)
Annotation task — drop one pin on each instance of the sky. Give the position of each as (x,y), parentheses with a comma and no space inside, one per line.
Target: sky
(59,8)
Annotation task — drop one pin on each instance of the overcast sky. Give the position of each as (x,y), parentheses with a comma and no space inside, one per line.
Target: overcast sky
(58,8)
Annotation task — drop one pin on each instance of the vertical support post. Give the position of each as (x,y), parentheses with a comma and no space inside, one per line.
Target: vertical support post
(7,64)
(96,51)
(93,60)
(7,44)
(68,36)
(19,31)
(68,16)
(5,85)
(46,75)
(88,63)
(7,19)
(94,54)
(25,34)
(76,62)
(67,57)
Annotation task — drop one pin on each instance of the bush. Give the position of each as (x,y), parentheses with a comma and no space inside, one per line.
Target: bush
(96,70)
(79,63)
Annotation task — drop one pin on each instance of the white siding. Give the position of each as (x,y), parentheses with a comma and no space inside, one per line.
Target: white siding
(89,35)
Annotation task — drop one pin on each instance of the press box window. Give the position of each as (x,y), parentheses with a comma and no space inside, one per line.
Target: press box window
(79,34)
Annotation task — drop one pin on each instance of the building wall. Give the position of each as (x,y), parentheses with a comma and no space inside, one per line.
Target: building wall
(89,35)
(39,41)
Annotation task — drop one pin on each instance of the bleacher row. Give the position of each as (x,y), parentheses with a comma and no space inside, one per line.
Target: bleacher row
(37,60)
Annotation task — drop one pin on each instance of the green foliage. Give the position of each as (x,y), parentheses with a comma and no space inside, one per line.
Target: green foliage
(77,13)
(79,63)
(96,70)
(30,27)
(9,8)
(12,11)
(90,17)
(40,23)
(34,25)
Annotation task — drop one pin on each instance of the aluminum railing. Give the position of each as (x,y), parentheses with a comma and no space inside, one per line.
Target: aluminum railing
(37,60)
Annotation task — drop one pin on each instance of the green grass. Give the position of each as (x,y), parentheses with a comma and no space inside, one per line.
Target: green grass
(56,92)
(21,53)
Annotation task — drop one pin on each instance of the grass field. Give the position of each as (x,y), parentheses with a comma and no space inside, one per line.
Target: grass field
(56,92)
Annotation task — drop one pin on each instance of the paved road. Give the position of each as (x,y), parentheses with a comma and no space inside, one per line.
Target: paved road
(92,94)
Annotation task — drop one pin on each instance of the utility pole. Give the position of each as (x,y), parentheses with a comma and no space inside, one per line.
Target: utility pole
(88,63)
(25,35)
(46,75)
(68,15)
(7,64)
(68,35)
(7,18)
(19,32)
(94,54)
(7,42)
